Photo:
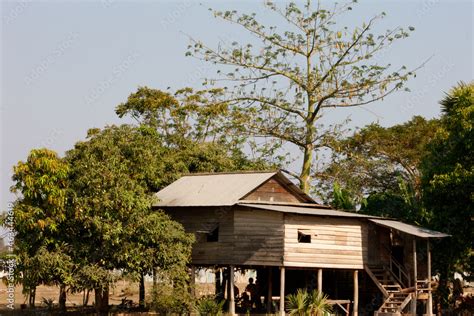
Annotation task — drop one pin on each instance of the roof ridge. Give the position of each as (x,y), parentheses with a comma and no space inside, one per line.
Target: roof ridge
(302,204)
(196,174)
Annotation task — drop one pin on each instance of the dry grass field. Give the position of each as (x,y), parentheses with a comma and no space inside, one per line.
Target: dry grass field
(121,290)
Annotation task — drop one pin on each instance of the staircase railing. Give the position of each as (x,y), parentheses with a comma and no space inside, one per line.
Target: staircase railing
(399,273)
(406,301)
(376,281)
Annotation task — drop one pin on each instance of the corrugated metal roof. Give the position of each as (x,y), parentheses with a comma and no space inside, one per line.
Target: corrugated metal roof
(409,229)
(219,189)
(305,209)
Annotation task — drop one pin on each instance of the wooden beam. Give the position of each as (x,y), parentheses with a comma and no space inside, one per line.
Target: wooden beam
(320,280)
(429,303)
(269,292)
(415,279)
(282,291)
(231,291)
(355,311)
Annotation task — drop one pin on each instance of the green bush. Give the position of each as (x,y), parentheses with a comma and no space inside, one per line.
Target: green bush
(302,303)
(209,306)
(167,300)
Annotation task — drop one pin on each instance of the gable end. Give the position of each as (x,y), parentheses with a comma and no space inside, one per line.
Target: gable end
(273,191)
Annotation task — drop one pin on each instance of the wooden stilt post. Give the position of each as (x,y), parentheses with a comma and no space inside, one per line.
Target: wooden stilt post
(320,280)
(231,291)
(415,279)
(282,291)
(355,310)
(218,282)
(269,292)
(429,303)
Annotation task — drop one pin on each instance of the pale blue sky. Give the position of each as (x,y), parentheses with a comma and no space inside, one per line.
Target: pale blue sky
(65,65)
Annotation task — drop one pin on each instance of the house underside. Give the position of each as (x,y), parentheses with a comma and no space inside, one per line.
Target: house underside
(366,265)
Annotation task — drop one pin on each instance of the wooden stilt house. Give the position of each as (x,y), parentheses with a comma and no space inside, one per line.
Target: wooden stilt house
(261,220)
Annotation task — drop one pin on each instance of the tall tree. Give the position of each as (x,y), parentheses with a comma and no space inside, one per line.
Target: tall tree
(283,85)
(40,212)
(448,184)
(114,174)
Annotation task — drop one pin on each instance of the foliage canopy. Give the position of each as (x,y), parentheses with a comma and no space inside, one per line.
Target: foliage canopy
(448,181)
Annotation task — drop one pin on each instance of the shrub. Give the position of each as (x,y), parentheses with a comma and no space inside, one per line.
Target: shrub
(167,300)
(303,303)
(209,306)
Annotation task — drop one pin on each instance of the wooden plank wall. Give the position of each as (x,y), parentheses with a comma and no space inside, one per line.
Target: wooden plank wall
(272,191)
(379,250)
(246,236)
(258,237)
(335,242)
(196,219)
(267,238)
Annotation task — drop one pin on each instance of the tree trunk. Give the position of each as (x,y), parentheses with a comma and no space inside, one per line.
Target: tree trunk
(102,300)
(141,298)
(32,297)
(155,280)
(85,299)
(62,297)
(305,176)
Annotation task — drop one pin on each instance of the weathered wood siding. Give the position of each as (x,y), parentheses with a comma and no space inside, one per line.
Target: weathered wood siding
(267,238)
(258,237)
(198,219)
(335,242)
(246,236)
(379,250)
(272,191)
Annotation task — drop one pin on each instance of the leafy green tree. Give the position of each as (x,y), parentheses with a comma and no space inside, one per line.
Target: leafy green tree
(157,244)
(194,125)
(181,118)
(114,174)
(379,159)
(378,169)
(283,86)
(342,199)
(448,182)
(40,212)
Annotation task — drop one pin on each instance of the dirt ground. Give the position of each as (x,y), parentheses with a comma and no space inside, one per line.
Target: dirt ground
(121,290)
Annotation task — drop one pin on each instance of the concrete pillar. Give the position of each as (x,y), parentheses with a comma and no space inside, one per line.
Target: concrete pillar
(231,291)
(429,303)
(320,280)
(355,310)
(282,291)
(415,279)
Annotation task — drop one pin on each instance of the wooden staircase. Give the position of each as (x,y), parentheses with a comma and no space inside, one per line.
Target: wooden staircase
(396,297)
